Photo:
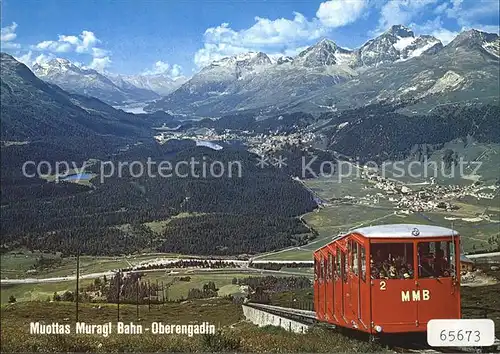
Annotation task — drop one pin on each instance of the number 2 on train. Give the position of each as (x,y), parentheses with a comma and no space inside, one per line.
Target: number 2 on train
(382,285)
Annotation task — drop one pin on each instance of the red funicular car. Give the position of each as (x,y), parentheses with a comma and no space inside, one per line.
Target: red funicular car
(388,278)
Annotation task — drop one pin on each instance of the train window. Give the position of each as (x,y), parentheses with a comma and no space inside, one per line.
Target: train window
(326,268)
(391,261)
(337,265)
(344,267)
(436,259)
(316,269)
(363,262)
(330,266)
(333,266)
(322,270)
(354,258)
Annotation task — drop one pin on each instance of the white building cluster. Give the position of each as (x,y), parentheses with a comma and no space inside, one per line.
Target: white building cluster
(428,197)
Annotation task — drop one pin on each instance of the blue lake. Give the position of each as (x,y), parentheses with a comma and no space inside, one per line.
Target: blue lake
(78,176)
(210,144)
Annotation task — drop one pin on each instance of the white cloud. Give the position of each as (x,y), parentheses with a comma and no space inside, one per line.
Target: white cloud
(10,45)
(100,64)
(440,9)
(280,35)
(435,28)
(487,28)
(176,71)
(26,58)
(337,13)
(161,67)
(8,33)
(89,41)
(74,40)
(467,14)
(266,33)
(84,43)
(44,58)
(29,59)
(472,14)
(444,35)
(99,52)
(396,12)
(53,46)
(7,36)
(294,51)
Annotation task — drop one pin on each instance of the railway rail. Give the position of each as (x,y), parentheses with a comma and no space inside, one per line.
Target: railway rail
(414,343)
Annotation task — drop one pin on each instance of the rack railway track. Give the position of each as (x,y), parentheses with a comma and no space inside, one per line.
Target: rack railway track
(416,343)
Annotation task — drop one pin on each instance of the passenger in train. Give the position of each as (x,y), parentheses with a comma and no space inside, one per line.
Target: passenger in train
(393,272)
(383,274)
(401,272)
(388,270)
(424,261)
(410,270)
(395,268)
(440,264)
(426,268)
(378,258)
(406,272)
(399,261)
(376,267)
(372,268)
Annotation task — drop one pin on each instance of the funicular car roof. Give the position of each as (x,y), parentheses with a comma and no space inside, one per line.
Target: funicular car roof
(395,231)
(404,231)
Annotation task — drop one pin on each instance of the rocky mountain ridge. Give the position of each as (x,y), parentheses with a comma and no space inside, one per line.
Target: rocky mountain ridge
(111,88)
(161,84)
(397,65)
(323,77)
(89,82)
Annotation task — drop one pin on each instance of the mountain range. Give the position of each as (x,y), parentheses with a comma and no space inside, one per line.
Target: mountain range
(395,66)
(111,88)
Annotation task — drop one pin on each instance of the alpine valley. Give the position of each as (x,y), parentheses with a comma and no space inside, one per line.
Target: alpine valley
(399,97)
(173,172)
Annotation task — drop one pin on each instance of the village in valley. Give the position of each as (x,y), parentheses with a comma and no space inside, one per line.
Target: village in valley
(422,196)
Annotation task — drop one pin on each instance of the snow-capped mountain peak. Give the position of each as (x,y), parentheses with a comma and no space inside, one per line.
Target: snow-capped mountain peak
(235,66)
(86,81)
(279,59)
(324,53)
(54,66)
(237,83)
(327,44)
(398,43)
(399,31)
(160,83)
(246,80)
(245,59)
(60,67)
(403,42)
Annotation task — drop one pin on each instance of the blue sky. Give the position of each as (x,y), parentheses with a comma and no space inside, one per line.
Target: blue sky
(179,37)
